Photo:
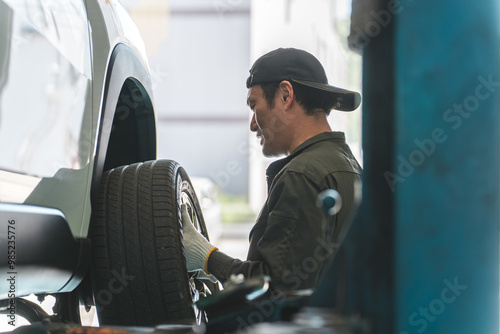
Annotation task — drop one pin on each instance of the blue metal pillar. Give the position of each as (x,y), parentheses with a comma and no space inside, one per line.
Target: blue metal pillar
(422,253)
(446,158)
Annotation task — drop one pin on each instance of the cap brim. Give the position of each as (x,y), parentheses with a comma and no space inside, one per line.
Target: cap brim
(347,100)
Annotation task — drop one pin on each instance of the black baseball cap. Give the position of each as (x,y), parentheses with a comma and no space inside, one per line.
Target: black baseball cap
(301,67)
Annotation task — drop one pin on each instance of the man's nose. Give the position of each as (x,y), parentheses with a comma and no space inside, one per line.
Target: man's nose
(253,124)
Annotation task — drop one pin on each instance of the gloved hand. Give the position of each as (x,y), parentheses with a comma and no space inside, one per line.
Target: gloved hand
(197,249)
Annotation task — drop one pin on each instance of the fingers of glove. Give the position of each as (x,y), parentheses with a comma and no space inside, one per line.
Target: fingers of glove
(192,265)
(185,215)
(191,235)
(211,278)
(187,223)
(200,274)
(193,259)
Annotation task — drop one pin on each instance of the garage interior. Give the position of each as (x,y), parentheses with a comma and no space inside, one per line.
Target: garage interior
(421,254)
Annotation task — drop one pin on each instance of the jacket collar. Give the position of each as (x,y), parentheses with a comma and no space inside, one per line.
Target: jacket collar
(276,166)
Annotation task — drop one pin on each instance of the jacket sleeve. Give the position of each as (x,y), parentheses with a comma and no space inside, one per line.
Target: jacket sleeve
(223,266)
(295,228)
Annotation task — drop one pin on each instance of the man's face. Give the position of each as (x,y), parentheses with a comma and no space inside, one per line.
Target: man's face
(269,123)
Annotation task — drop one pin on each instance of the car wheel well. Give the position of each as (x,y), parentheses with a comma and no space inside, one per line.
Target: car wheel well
(126,129)
(133,128)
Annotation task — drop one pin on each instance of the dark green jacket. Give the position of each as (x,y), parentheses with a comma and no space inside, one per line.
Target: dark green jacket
(288,241)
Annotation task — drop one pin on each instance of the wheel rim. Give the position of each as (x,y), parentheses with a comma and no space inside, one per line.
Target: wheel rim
(70,307)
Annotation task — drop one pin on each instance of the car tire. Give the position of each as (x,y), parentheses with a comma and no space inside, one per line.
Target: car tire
(139,275)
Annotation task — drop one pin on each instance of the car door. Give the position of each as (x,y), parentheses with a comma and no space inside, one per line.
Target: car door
(45,106)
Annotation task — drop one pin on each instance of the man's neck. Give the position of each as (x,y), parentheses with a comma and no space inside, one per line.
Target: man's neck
(308,128)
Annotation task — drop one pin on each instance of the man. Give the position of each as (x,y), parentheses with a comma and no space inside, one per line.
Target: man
(289,95)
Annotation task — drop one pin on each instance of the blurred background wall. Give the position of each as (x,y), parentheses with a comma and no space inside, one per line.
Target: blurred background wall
(200,52)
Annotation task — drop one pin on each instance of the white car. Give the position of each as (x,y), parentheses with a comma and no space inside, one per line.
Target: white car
(75,102)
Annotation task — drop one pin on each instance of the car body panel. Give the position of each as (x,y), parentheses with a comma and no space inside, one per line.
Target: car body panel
(63,66)
(51,44)
(43,265)
(45,125)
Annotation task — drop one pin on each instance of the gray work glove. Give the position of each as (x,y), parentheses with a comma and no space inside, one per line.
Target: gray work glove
(197,249)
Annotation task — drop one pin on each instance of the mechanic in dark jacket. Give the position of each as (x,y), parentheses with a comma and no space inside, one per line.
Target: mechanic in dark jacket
(291,99)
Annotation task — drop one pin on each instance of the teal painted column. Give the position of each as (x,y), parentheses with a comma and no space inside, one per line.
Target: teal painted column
(422,252)
(446,166)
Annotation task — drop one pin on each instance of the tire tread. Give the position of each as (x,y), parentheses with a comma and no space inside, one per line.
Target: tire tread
(136,231)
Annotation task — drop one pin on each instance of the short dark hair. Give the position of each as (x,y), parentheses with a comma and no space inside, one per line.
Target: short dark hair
(313,100)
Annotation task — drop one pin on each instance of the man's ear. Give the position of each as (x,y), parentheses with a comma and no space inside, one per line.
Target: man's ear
(286,93)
